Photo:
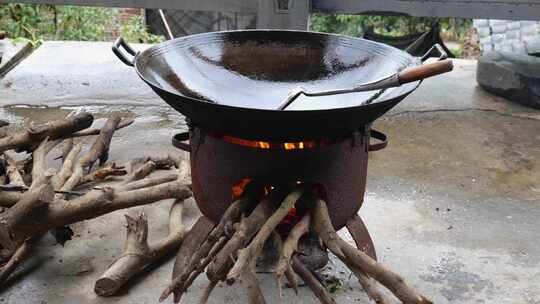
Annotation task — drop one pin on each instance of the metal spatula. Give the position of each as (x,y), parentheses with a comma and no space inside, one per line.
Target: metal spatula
(395,80)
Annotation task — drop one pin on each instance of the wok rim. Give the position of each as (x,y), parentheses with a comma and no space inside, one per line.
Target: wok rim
(391,99)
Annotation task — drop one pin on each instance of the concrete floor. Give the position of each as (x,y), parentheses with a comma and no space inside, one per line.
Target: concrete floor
(453,203)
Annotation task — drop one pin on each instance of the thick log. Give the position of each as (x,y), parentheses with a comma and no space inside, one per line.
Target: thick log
(91,205)
(53,130)
(138,254)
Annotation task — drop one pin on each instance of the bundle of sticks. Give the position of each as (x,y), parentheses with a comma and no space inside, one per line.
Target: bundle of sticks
(36,199)
(228,250)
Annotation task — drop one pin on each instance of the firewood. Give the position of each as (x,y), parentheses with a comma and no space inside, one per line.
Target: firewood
(248,254)
(103,173)
(193,240)
(196,264)
(26,220)
(138,254)
(368,284)
(278,246)
(67,146)
(207,291)
(89,132)
(99,150)
(54,130)
(219,267)
(68,162)
(148,182)
(20,254)
(356,258)
(12,171)
(291,244)
(318,289)
(251,283)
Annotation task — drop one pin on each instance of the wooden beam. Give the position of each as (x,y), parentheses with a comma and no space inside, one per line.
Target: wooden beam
(239,6)
(493,9)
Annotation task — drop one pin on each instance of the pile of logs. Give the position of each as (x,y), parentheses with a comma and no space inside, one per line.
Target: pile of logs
(36,199)
(228,251)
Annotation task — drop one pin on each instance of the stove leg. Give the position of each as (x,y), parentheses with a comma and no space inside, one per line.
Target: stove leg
(360,234)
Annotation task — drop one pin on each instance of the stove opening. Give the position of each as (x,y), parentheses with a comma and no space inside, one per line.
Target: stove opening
(272,145)
(297,212)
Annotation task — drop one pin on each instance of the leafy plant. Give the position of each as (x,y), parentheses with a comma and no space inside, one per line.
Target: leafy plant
(84,23)
(134,30)
(355,25)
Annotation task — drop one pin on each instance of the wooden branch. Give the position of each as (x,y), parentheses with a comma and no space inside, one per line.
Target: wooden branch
(207,291)
(291,244)
(141,172)
(356,258)
(25,213)
(248,254)
(318,289)
(138,255)
(9,198)
(103,173)
(14,261)
(54,130)
(91,205)
(149,182)
(39,166)
(323,227)
(99,150)
(162,162)
(67,146)
(196,264)
(68,163)
(12,171)
(193,240)
(278,246)
(368,284)
(251,283)
(89,132)
(383,275)
(219,267)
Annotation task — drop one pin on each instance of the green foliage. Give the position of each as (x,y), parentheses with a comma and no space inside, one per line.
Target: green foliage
(50,22)
(135,31)
(355,25)
(83,23)
(25,21)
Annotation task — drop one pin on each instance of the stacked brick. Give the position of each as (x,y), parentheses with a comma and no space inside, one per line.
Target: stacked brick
(508,35)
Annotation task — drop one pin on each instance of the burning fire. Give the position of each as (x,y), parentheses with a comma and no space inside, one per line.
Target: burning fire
(273,145)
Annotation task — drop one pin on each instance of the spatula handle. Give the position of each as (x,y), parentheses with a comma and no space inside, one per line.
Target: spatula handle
(425,71)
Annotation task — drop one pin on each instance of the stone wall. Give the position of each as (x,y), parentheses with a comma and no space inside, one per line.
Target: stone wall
(508,35)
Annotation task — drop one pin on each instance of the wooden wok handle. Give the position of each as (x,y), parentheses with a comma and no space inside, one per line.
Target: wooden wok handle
(425,71)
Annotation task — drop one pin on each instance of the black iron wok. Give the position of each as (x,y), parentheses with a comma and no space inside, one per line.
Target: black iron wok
(233,82)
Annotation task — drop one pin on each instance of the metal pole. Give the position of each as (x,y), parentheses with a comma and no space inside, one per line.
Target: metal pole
(166,24)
